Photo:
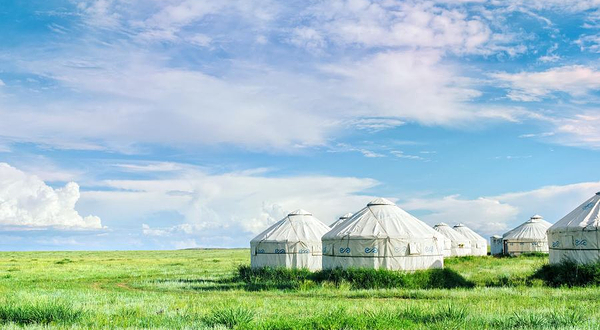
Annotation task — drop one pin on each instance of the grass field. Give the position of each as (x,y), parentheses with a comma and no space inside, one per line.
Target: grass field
(196,289)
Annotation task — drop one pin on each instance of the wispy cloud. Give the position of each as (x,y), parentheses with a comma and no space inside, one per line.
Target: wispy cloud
(576,80)
(401,154)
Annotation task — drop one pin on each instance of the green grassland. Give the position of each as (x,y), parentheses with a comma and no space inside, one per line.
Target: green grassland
(198,289)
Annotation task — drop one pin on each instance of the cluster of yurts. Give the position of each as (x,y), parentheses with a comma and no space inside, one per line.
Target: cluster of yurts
(382,235)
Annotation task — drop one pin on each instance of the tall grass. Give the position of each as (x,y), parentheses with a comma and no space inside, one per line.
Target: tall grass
(44,312)
(569,273)
(229,317)
(357,278)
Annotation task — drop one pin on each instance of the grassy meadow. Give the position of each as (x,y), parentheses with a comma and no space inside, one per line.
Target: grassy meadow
(202,289)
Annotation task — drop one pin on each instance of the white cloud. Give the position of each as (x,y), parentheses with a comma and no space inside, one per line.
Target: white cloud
(152,167)
(256,106)
(376,124)
(399,24)
(100,13)
(576,80)
(589,42)
(200,40)
(401,154)
(167,20)
(365,151)
(27,202)
(549,58)
(412,86)
(262,109)
(555,5)
(228,209)
(486,215)
(308,38)
(579,130)
(396,72)
(535,135)
(224,209)
(497,214)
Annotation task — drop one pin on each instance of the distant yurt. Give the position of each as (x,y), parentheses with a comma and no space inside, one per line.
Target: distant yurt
(341,219)
(457,244)
(478,243)
(576,237)
(382,235)
(292,242)
(496,245)
(530,236)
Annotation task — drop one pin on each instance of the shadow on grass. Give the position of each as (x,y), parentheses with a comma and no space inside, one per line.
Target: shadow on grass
(358,278)
(569,273)
(261,279)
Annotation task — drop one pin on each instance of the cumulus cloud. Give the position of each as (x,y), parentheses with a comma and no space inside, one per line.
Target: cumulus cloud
(486,215)
(497,214)
(575,80)
(26,201)
(224,209)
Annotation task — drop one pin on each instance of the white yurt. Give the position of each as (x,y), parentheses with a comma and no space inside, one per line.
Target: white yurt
(478,243)
(576,237)
(292,242)
(341,219)
(496,245)
(530,236)
(382,235)
(457,244)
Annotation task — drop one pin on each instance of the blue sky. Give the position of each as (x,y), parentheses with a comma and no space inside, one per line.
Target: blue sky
(172,124)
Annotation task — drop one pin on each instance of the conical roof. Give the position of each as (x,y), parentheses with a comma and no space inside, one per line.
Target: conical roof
(300,212)
(533,229)
(341,219)
(469,233)
(380,201)
(298,226)
(585,217)
(382,218)
(450,233)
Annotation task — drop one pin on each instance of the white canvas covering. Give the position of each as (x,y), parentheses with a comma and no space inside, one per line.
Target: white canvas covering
(293,242)
(576,236)
(382,235)
(456,244)
(496,245)
(478,243)
(530,236)
(341,219)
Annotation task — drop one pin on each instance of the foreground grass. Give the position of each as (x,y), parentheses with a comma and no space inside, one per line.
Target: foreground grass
(196,289)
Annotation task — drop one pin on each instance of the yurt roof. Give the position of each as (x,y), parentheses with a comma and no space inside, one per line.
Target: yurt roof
(341,219)
(450,233)
(469,233)
(533,229)
(382,218)
(297,226)
(585,217)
